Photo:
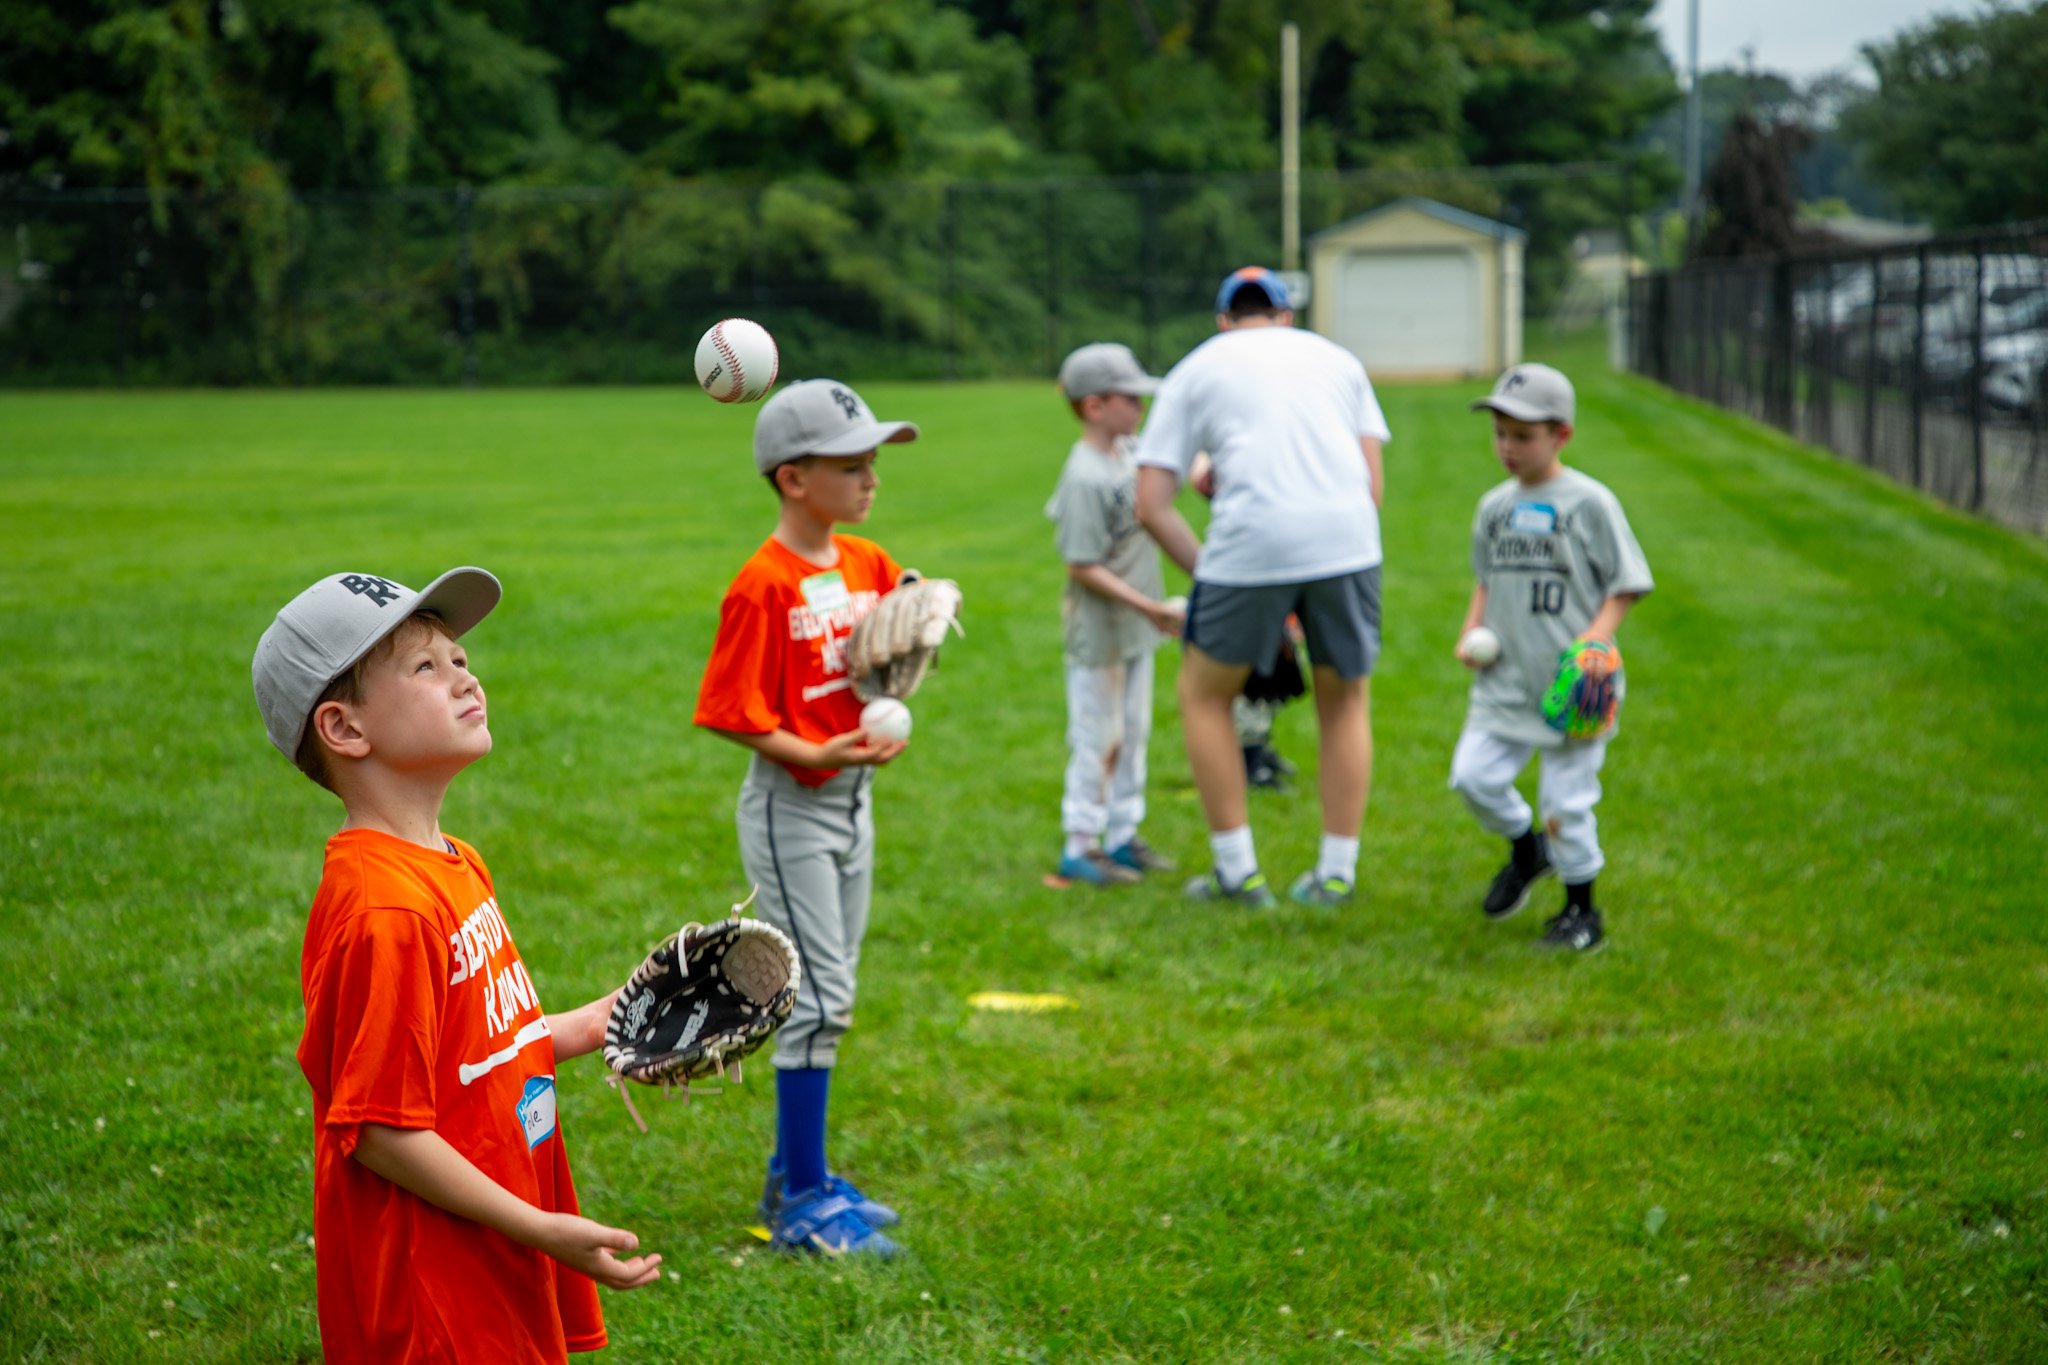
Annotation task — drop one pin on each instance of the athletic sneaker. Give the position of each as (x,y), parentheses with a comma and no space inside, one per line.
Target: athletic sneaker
(1140,856)
(1097,869)
(877,1215)
(1252,893)
(1265,769)
(1512,884)
(821,1223)
(1573,929)
(1324,892)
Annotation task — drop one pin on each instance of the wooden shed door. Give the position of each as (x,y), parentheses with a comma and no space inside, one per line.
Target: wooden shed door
(1411,310)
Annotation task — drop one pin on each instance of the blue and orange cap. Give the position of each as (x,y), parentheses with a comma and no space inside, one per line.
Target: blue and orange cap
(1263,279)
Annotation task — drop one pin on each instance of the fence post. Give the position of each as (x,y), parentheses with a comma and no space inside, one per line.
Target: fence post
(948,230)
(1918,378)
(1781,378)
(1052,275)
(1148,221)
(1870,362)
(465,288)
(1976,382)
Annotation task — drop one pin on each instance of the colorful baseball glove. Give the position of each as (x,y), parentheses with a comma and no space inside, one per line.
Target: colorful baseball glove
(1581,701)
(704,999)
(894,645)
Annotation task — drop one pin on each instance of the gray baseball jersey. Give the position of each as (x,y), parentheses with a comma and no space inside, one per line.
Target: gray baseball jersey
(1096,509)
(1548,556)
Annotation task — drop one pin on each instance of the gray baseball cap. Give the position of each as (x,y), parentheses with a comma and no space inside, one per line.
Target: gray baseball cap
(1532,393)
(323,631)
(1104,367)
(820,417)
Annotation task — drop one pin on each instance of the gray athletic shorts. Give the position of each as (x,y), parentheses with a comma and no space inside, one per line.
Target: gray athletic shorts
(1340,616)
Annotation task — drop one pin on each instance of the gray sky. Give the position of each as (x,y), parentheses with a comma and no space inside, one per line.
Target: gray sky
(1800,38)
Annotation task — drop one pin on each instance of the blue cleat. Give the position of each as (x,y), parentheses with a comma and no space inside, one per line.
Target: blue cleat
(820,1223)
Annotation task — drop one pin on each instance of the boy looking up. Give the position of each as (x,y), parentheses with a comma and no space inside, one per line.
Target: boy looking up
(445,1222)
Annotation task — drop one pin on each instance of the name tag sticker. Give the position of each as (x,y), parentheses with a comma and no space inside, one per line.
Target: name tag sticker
(537,1110)
(825,592)
(1533,519)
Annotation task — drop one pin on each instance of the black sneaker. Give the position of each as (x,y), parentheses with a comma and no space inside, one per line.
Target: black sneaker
(1259,770)
(1573,929)
(1512,884)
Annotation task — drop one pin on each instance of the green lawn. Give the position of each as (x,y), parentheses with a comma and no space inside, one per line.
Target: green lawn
(1795,1112)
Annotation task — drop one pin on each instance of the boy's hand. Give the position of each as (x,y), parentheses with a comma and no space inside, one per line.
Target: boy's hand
(1168,618)
(853,750)
(589,1247)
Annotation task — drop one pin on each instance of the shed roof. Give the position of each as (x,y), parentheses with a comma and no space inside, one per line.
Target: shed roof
(1471,222)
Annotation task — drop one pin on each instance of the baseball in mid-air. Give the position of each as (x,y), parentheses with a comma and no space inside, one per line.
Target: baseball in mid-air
(1481,646)
(886,718)
(737,361)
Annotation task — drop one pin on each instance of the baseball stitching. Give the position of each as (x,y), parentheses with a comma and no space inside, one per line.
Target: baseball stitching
(732,360)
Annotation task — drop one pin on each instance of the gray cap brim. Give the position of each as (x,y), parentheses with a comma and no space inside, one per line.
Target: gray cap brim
(860,440)
(461,597)
(1521,412)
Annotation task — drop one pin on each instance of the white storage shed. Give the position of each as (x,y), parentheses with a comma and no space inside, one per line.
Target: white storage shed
(1418,288)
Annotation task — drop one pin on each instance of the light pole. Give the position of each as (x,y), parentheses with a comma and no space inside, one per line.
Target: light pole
(1691,205)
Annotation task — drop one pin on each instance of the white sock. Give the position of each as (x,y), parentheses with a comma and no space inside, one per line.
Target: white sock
(1339,859)
(1080,845)
(1236,859)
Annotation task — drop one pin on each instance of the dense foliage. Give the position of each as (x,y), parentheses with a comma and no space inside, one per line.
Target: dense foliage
(1959,123)
(272,135)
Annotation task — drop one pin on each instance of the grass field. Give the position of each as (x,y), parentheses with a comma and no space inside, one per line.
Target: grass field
(1797,1111)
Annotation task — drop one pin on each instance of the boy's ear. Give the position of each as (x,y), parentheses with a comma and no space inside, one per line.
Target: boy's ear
(1564,432)
(335,726)
(785,474)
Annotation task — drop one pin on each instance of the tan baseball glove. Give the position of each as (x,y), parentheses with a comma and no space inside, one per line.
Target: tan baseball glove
(894,645)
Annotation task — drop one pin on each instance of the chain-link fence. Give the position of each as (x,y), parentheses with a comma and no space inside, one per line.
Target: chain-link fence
(911,279)
(1928,363)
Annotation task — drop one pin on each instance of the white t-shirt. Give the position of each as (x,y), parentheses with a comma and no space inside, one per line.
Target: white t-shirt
(1280,411)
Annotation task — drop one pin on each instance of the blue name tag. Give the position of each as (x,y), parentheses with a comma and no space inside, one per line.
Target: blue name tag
(537,1110)
(1533,518)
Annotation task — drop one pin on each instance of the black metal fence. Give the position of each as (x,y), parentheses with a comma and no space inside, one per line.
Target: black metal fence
(1928,363)
(912,279)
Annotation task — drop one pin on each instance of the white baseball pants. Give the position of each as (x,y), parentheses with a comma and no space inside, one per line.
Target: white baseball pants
(1483,771)
(1109,723)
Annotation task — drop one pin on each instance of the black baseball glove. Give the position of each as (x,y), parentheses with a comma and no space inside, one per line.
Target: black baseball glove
(707,997)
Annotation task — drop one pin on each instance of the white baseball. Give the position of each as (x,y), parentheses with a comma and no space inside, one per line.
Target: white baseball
(1480,645)
(1178,603)
(737,361)
(886,718)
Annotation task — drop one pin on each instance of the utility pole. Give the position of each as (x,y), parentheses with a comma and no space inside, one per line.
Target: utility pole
(1290,147)
(1691,205)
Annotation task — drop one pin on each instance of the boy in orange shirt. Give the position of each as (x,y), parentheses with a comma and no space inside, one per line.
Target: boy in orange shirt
(444,1219)
(777,684)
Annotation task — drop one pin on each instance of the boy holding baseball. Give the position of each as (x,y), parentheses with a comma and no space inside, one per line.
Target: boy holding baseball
(777,684)
(445,1223)
(1112,617)
(1556,563)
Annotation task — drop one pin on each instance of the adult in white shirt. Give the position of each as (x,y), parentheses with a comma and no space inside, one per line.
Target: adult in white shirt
(1294,431)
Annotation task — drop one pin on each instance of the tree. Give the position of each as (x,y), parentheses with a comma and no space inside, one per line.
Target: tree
(1958,128)
(1750,197)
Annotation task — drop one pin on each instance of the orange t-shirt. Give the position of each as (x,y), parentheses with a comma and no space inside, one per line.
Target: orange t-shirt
(779,662)
(419,1014)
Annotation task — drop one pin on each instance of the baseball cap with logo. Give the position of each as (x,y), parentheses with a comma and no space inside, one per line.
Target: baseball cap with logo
(820,417)
(326,629)
(1252,277)
(1531,393)
(1104,367)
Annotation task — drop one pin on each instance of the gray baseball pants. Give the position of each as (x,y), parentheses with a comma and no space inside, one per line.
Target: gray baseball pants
(811,851)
